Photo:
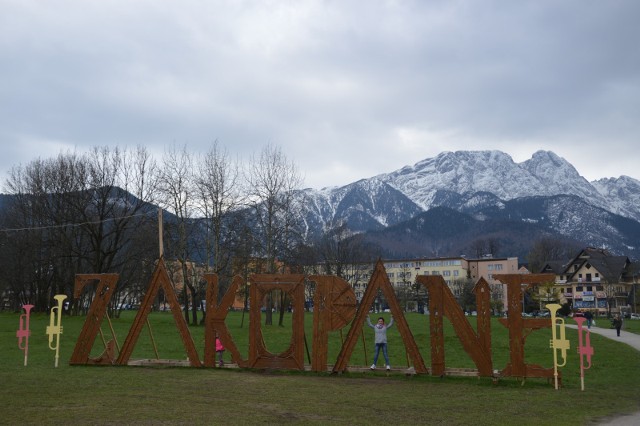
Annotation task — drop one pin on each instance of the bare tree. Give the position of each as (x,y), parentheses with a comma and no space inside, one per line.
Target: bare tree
(176,192)
(134,225)
(75,217)
(463,290)
(271,181)
(493,246)
(478,248)
(44,214)
(219,196)
(549,249)
(339,248)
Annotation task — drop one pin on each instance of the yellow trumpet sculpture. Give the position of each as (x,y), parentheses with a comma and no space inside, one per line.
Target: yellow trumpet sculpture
(557,343)
(54,328)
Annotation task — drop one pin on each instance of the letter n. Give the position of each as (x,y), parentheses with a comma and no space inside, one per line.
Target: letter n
(443,303)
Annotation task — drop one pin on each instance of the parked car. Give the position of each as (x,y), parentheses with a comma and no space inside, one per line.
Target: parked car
(634,316)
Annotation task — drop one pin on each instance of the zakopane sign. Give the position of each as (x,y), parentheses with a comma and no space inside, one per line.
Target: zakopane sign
(334,308)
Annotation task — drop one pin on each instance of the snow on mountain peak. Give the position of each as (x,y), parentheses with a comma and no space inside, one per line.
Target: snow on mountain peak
(454,177)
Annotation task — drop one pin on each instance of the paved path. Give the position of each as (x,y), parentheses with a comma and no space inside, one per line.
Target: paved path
(632,340)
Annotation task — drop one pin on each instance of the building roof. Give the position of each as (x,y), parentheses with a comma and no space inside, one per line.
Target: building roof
(611,268)
(557,267)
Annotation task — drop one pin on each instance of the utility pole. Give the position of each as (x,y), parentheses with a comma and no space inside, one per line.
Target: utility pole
(160,243)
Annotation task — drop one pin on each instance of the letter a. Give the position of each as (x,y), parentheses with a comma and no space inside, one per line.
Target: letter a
(159,279)
(379,280)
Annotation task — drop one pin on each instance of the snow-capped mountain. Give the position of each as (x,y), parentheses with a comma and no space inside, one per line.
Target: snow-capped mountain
(368,204)
(485,184)
(469,172)
(621,195)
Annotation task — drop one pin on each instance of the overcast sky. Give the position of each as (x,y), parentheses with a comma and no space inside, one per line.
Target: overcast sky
(348,89)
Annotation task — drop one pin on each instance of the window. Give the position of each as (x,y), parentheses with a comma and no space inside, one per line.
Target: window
(579,288)
(456,273)
(498,267)
(446,273)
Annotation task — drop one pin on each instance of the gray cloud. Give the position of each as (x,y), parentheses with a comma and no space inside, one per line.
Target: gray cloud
(349,89)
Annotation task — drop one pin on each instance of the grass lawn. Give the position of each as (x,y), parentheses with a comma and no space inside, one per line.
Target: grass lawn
(629,325)
(632,326)
(42,394)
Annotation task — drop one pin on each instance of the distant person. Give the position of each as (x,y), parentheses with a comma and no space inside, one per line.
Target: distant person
(220,352)
(381,340)
(589,316)
(617,324)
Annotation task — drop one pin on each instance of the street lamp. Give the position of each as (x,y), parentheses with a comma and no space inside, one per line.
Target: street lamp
(633,289)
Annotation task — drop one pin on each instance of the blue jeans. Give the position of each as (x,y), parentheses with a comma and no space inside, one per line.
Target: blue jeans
(382,346)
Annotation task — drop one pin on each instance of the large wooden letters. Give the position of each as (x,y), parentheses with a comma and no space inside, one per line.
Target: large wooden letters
(214,322)
(379,280)
(443,303)
(334,308)
(293,357)
(519,328)
(106,283)
(334,305)
(160,279)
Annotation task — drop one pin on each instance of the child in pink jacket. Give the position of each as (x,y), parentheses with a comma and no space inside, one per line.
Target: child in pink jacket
(220,351)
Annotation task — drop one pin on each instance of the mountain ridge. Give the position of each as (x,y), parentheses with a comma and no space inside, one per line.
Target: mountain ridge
(486,185)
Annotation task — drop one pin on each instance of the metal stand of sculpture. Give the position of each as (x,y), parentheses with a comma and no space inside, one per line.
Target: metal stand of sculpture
(24,332)
(54,329)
